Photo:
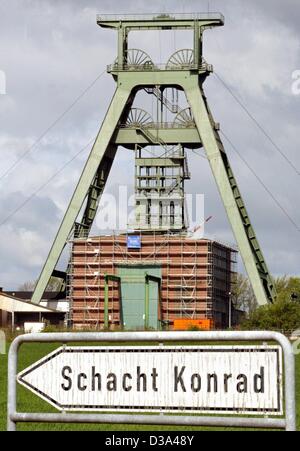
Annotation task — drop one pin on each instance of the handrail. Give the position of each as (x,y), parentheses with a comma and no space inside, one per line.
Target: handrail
(159,126)
(173,108)
(115,67)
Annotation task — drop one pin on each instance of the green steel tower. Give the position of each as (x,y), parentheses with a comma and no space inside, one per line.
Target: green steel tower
(160,176)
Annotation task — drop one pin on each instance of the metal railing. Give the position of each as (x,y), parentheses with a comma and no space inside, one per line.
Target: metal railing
(160,126)
(172,107)
(116,67)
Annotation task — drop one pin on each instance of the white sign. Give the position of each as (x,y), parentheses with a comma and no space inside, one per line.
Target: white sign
(229,380)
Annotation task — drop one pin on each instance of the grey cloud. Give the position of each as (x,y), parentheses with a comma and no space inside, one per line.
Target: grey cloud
(287,13)
(41,215)
(52,50)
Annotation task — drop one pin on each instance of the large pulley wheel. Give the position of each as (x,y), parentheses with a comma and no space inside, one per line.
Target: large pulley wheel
(181,59)
(138,118)
(185,118)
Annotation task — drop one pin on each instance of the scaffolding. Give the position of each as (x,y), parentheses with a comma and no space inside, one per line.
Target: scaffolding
(196,277)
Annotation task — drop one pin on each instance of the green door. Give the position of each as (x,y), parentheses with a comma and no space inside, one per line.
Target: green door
(133,293)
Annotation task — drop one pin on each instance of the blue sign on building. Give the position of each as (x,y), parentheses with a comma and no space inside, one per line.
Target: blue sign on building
(134,242)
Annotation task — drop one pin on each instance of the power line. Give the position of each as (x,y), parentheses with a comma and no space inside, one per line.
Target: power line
(256,122)
(39,139)
(44,185)
(259,179)
(291,220)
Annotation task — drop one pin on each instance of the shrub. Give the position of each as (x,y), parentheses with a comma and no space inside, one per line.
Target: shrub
(283,315)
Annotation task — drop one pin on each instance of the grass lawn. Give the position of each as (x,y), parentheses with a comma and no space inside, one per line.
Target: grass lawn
(28,402)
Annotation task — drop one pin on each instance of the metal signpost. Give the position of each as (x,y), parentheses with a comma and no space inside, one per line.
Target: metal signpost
(213,379)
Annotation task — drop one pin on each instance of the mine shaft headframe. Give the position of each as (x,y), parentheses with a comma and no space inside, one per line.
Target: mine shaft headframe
(197,22)
(134,71)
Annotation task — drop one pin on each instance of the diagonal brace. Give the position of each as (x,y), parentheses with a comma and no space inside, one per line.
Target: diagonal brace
(98,153)
(251,253)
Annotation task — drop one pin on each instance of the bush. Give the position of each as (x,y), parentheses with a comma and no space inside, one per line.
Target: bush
(283,315)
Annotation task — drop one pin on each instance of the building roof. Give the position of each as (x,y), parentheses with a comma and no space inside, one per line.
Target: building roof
(12,304)
(27,295)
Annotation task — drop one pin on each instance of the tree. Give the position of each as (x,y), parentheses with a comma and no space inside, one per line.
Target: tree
(242,294)
(284,314)
(288,288)
(53,286)
(27,286)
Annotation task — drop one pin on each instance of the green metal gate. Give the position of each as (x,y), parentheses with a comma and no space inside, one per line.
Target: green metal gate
(139,296)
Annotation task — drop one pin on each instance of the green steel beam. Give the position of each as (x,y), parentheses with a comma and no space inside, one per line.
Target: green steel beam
(188,137)
(148,279)
(146,22)
(83,228)
(109,278)
(159,162)
(100,149)
(147,303)
(251,253)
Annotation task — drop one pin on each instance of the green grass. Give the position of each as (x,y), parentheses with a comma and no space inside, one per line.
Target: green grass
(30,403)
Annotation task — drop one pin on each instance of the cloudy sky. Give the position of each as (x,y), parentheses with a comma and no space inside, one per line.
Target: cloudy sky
(52,51)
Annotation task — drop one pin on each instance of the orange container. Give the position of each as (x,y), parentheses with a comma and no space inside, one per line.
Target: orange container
(187,324)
